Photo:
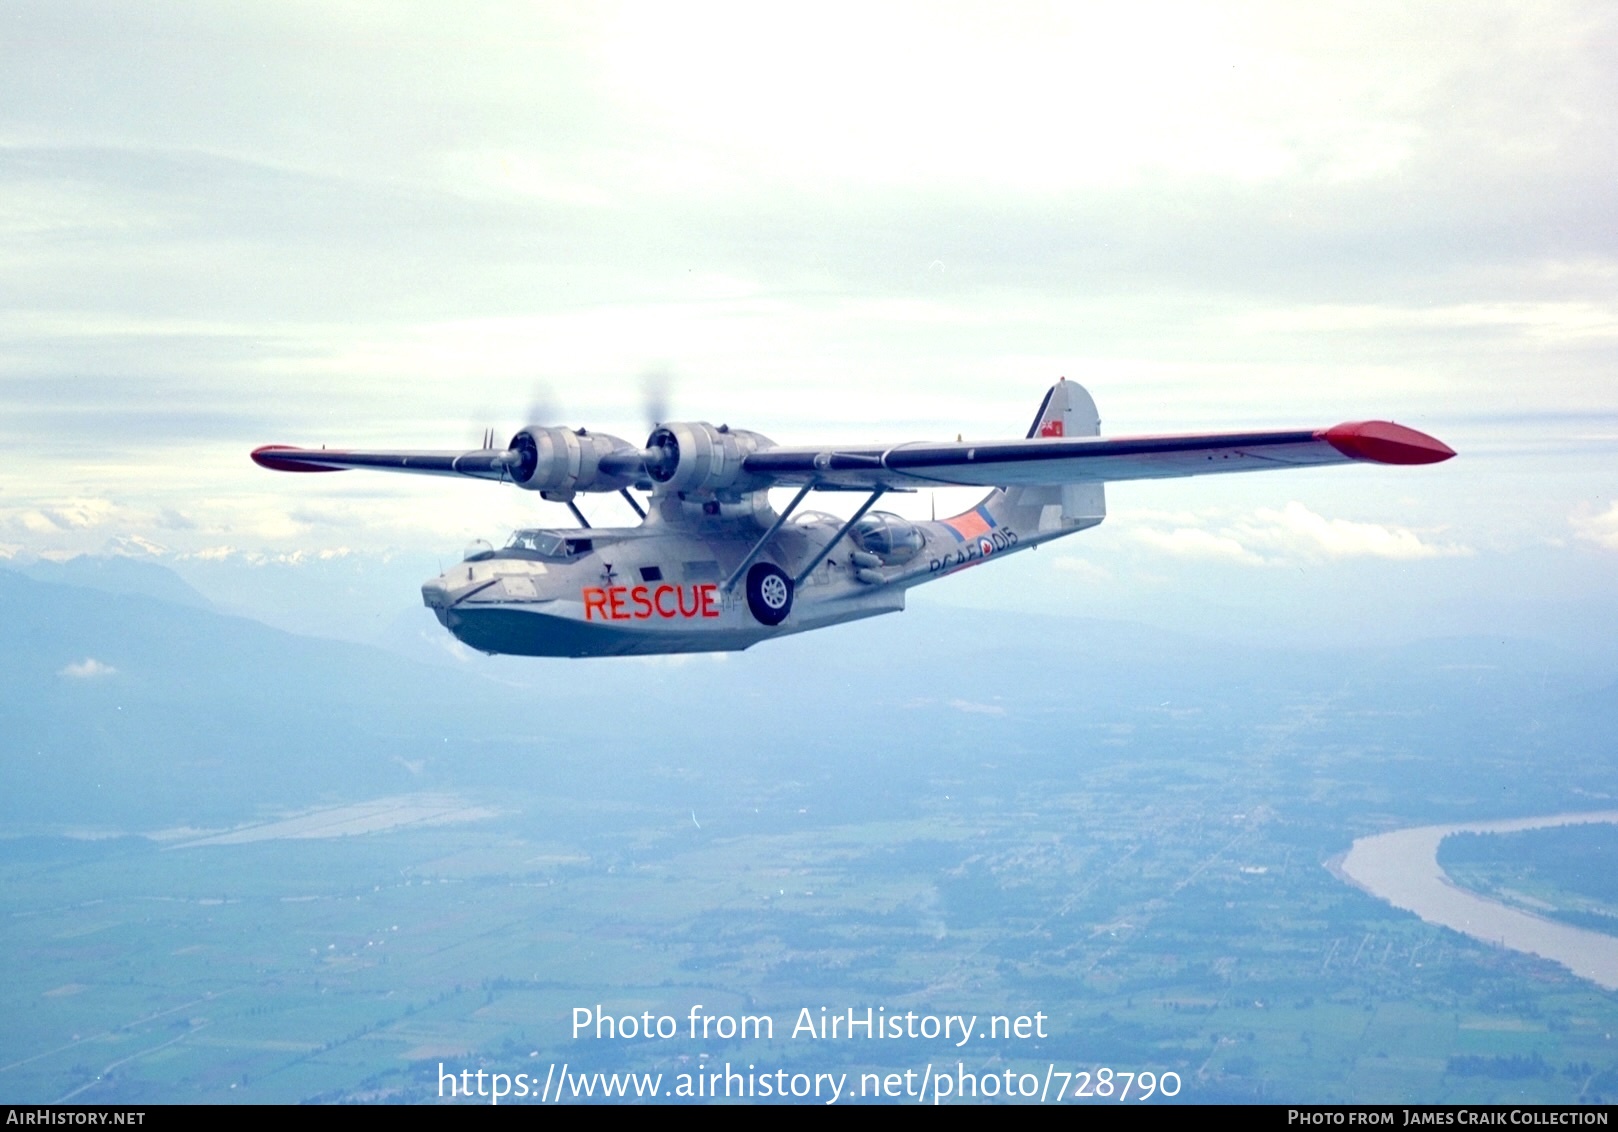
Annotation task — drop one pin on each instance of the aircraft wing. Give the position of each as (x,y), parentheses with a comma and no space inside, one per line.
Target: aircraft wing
(1090,459)
(483,463)
(561,460)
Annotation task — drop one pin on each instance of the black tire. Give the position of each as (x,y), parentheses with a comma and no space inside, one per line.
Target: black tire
(769,593)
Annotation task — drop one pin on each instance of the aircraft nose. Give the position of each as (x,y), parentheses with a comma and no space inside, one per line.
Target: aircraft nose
(434,594)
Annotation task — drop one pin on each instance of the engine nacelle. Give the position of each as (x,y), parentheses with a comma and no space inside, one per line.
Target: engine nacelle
(563,461)
(695,458)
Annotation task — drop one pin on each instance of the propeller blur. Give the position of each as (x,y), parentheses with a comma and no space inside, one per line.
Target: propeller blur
(712,566)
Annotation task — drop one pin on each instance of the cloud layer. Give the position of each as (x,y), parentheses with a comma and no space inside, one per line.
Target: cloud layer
(1600,528)
(390,227)
(1294,533)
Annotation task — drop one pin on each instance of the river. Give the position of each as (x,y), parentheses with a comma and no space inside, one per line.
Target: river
(1402,868)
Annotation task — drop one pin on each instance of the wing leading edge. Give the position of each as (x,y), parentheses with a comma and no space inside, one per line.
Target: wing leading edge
(484,463)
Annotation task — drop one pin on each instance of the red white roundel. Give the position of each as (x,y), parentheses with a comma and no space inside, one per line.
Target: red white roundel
(986,547)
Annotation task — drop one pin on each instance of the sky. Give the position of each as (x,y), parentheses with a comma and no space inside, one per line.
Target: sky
(394,225)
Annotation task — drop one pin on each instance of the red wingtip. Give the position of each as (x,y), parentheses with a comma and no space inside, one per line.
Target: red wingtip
(1383,442)
(264,457)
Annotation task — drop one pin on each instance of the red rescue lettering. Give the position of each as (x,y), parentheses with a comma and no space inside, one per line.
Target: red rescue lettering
(620,603)
(657,598)
(696,603)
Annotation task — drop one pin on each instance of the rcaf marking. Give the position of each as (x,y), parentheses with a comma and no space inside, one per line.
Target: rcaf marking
(970,524)
(639,603)
(1002,538)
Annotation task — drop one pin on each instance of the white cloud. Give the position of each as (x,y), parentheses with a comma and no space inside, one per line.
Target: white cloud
(62,528)
(34,522)
(1549,319)
(125,526)
(968,707)
(1270,537)
(71,516)
(78,514)
(1083,567)
(1296,529)
(955,91)
(1601,529)
(87,669)
(1193,542)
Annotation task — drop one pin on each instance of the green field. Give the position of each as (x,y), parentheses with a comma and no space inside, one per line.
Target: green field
(1568,873)
(1160,920)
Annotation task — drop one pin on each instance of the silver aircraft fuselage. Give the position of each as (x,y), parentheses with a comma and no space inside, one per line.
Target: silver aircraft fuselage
(651,589)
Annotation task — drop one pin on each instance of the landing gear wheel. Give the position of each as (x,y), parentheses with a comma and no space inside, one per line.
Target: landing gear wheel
(769,593)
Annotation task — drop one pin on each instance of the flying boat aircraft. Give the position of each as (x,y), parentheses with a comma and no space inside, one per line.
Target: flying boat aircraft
(713,567)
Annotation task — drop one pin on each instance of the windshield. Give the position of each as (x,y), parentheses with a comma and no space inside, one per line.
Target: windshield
(540,542)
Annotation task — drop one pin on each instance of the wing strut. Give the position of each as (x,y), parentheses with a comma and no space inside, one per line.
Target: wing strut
(577,514)
(758,547)
(838,537)
(630,499)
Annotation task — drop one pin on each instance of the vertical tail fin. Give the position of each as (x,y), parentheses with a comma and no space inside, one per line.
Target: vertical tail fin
(1067,411)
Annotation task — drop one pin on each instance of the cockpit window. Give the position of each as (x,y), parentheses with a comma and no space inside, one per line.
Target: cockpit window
(889,537)
(544,543)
